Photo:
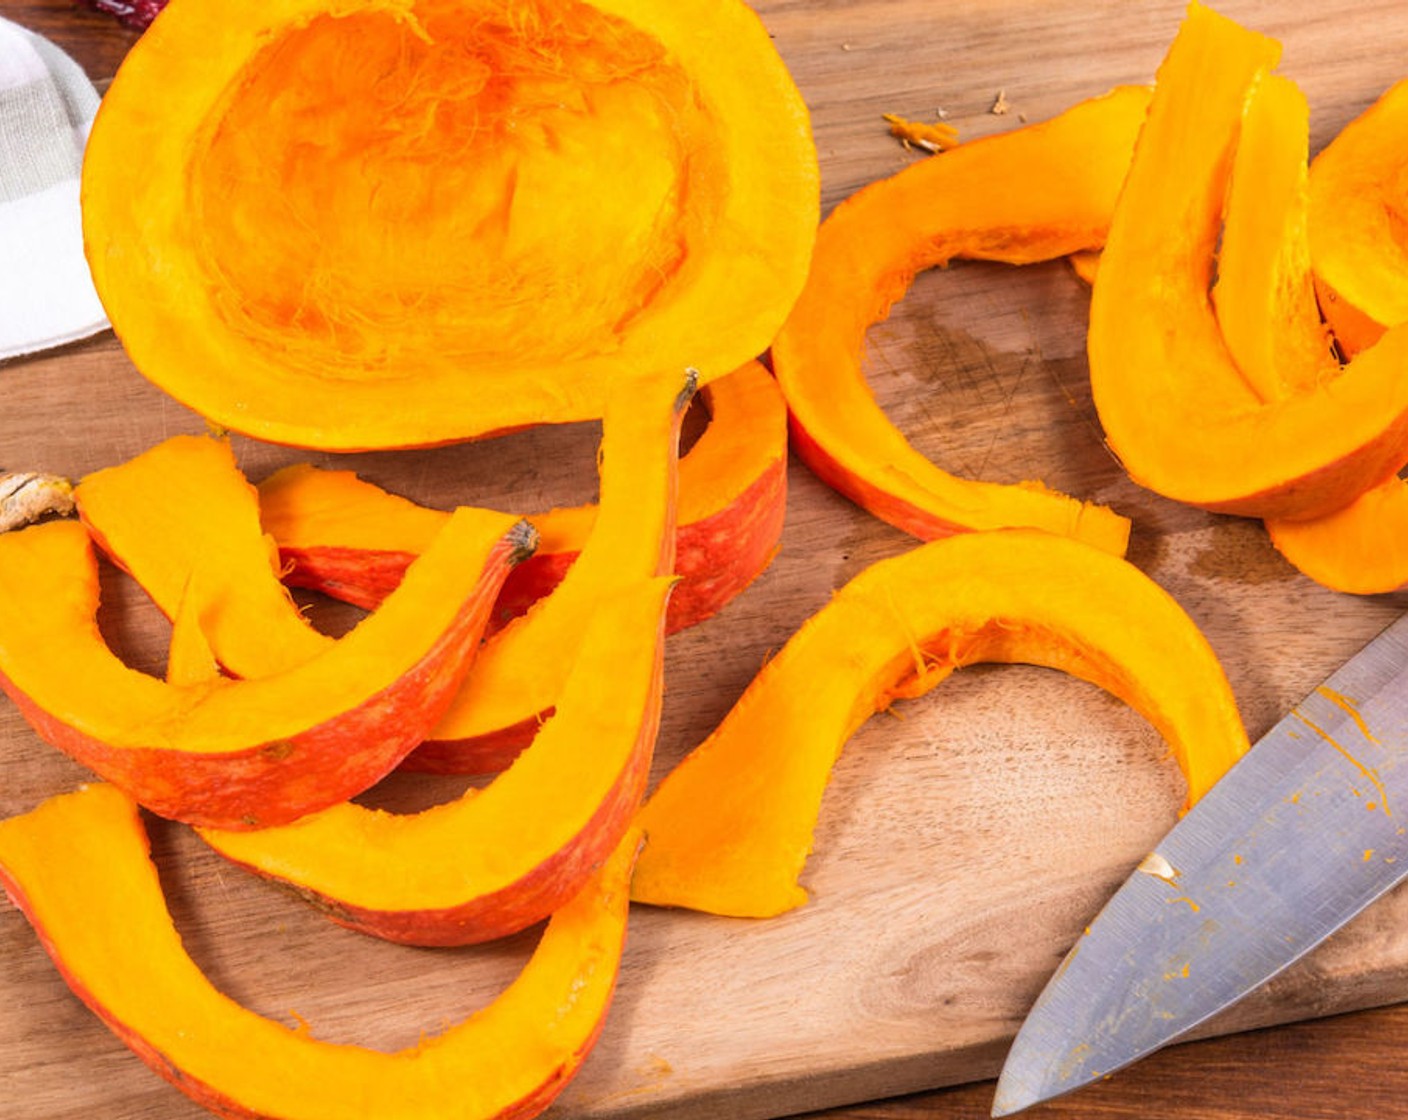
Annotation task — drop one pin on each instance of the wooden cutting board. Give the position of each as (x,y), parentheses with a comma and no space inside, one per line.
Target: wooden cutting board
(966,837)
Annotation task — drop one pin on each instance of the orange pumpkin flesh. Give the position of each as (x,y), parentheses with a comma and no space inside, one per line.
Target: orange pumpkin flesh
(1264,297)
(245,753)
(79,868)
(348,538)
(976,201)
(397,223)
(520,672)
(181,512)
(1358,222)
(496,861)
(729,830)
(1174,406)
(1356,234)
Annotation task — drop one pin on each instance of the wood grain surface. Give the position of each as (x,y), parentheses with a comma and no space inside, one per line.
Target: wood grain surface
(967,837)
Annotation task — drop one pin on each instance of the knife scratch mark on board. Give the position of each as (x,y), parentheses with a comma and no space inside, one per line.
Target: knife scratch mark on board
(1369,773)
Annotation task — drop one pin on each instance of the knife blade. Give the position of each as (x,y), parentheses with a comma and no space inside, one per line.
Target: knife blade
(1304,832)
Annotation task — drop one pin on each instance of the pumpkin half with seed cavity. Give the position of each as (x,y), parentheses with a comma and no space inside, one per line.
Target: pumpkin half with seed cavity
(399,223)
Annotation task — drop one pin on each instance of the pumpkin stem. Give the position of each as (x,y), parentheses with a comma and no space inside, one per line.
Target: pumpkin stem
(26,496)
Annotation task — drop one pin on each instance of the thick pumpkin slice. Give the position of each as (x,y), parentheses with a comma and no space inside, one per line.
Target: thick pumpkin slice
(521,670)
(729,830)
(1359,222)
(1175,407)
(350,539)
(494,862)
(396,223)
(1361,549)
(246,753)
(184,522)
(79,868)
(1264,297)
(976,201)
(1358,244)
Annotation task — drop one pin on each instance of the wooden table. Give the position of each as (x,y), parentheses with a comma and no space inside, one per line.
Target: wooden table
(1346,1065)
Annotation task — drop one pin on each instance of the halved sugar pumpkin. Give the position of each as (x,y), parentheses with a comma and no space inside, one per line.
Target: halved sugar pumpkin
(498,860)
(1264,297)
(79,868)
(246,753)
(729,830)
(977,201)
(396,223)
(1175,408)
(183,511)
(350,539)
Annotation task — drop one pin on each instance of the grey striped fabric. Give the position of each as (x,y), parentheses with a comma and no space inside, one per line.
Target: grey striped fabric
(47,105)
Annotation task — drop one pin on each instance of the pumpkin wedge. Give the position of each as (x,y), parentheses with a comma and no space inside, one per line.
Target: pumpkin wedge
(79,868)
(348,538)
(1175,408)
(1358,217)
(730,828)
(1357,246)
(396,223)
(1264,297)
(526,662)
(976,201)
(495,861)
(246,753)
(521,670)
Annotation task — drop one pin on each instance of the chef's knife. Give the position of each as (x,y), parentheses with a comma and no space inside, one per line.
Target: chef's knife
(1303,833)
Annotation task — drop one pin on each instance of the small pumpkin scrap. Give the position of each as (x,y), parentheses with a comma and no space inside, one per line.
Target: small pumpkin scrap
(81,862)
(976,202)
(1175,407)
(209,750)
(400,223)
(495,861)
(729,830)
(348,538)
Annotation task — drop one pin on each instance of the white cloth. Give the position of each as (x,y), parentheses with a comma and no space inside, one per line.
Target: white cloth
(47,105)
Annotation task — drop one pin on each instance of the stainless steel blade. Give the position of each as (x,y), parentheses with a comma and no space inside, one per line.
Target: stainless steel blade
(1303,833)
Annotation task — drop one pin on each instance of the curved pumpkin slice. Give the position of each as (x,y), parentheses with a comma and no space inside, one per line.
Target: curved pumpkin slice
(520,671)
(246,753)
(1358,243)
(80,862)
(1361,549)
(1264,297)
(485,223)
(183,510)
(976,201)
(1359,222)
(1175,408)
(495,861)
(350,539)
(728,831)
